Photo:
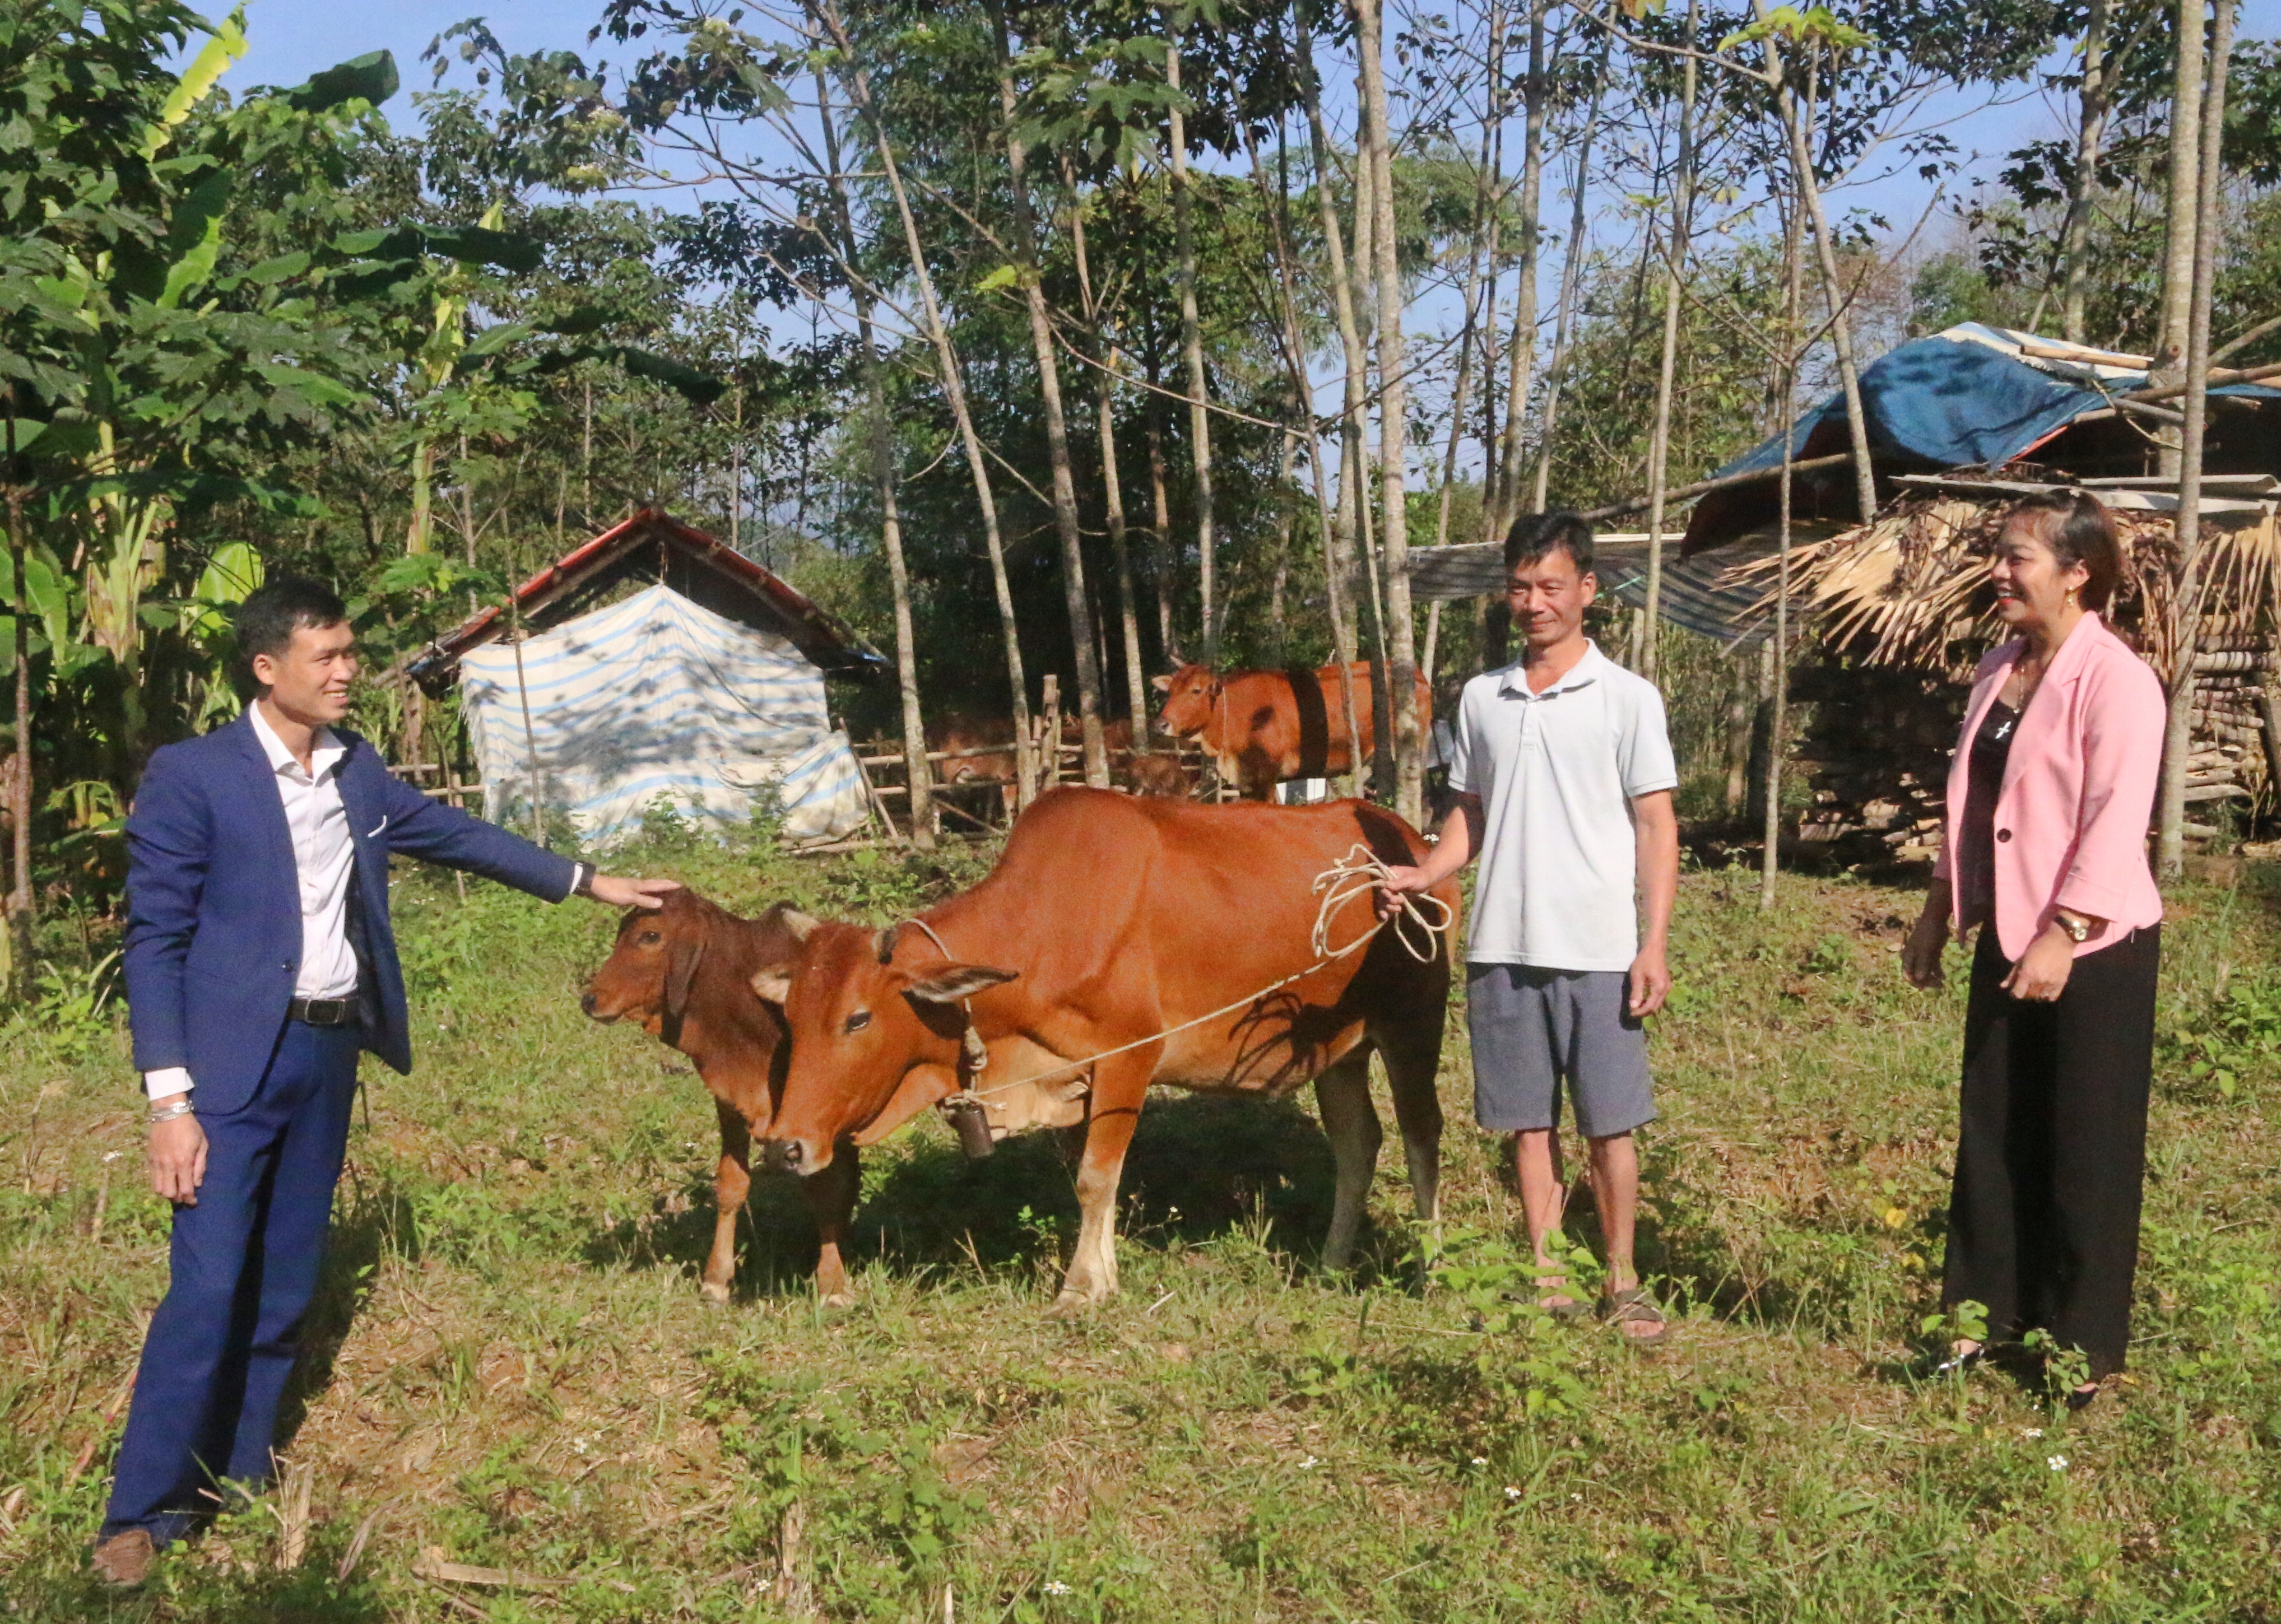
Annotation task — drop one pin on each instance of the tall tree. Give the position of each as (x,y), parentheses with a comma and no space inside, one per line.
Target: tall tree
(1393,421)
(1057,452)
(879,431)
(1677,241)
(849,65)
(2209,226)
(1192,345)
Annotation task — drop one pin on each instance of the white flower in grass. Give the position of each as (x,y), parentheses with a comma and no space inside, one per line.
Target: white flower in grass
(1310,1464)
(1055,1587)
(2057,1463)
(2032,1432)
(1480,1460)
(1510,1493)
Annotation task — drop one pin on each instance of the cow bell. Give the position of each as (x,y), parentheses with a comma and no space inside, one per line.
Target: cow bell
(971,1123)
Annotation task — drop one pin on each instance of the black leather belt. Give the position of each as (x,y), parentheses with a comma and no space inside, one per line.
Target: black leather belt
(322,1012)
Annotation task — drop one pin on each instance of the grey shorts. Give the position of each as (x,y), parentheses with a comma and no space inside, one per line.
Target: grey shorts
(1534,1030)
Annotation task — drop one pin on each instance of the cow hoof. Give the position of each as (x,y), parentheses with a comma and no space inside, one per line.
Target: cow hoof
(837,1299)
(1070,1305)
(715,1296)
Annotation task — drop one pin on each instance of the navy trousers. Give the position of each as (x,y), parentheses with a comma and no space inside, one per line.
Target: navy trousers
(246,1261)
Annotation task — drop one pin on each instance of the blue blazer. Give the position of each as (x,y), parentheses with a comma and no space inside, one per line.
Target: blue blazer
(213,903)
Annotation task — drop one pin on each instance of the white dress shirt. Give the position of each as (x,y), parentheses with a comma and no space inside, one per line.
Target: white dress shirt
(323,860)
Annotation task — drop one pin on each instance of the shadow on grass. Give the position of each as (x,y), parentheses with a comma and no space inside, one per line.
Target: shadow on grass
(1200,1167)
(367,1221)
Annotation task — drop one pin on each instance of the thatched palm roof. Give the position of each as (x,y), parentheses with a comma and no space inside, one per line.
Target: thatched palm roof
(1911,587)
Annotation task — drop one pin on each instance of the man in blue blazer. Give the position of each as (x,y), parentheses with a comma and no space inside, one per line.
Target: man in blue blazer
(260,960)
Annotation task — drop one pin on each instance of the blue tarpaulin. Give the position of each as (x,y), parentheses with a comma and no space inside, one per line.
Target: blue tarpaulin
(1964,398)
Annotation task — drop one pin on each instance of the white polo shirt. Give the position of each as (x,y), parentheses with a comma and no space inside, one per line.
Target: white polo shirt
(1555,772)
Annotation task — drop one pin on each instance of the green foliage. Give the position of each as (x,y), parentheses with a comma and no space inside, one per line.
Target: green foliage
(2233,1041)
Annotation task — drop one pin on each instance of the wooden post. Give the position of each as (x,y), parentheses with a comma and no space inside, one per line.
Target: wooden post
(1049,760)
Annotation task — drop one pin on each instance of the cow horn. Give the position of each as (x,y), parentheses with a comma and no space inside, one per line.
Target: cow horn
(802,925)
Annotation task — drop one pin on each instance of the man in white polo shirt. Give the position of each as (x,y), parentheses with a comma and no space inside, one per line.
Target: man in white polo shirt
(1563,772)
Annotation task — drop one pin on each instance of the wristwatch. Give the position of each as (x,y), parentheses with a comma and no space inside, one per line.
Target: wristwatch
(581,880)
(2078,930)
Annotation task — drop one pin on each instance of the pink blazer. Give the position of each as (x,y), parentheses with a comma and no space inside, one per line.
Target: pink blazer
(2078,792)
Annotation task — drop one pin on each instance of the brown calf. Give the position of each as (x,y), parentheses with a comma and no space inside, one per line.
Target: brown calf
(1113,920)
(682,974)
(1264,728)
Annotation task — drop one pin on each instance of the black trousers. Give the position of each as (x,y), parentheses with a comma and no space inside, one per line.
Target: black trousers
(2051,1155)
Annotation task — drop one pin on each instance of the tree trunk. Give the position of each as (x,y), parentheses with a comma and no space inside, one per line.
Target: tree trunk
(1659,445)
(917,769)
(1057,452)
(1521,361)
(1571,265)
(2184,212)
(1797,116)
(1393,425)
(954,390)
(1338,550)
(2083,185)
(1160,539)
(2209,226)
(423,496)
(1112,485)
(1192,348)
(1778,719)
(20,781)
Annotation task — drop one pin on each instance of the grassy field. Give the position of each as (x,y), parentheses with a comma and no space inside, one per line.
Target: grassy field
(513,1372)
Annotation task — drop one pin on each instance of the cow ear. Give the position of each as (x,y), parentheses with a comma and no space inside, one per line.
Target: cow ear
(1161,685)
(680,971)
(953,982)
(772,983)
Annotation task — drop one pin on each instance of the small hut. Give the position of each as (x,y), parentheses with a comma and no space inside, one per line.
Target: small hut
(1898,611)
(655,666)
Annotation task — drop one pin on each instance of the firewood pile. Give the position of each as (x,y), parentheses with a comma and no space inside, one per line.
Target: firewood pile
(1898,612)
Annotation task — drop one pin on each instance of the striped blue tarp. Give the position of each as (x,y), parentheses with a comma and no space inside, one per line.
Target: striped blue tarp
(653,700)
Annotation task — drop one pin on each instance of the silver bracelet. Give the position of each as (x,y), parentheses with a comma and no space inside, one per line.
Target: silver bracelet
(180,1108)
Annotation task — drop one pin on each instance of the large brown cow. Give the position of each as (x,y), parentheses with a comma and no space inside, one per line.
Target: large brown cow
(1115,920)
(1263,727)
(683,973)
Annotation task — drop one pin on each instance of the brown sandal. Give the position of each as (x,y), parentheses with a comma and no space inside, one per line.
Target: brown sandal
(1634,1307)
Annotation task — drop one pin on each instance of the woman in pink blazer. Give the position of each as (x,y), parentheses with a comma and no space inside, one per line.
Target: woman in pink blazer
(2049,798)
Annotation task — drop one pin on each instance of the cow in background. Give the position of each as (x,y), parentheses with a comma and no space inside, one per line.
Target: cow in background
(682,974)
(1121,942)
(1264,728)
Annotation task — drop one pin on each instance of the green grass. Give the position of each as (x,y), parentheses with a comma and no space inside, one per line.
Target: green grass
(512,1368)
